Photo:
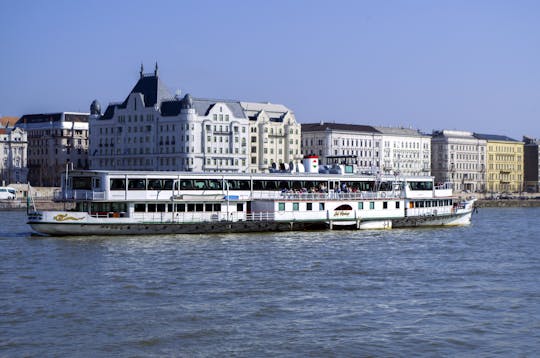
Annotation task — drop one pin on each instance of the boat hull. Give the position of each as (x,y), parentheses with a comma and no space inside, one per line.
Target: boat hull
(89,229)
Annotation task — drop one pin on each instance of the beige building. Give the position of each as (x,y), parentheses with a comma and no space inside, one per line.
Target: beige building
(274,135)
(56,141)
(504,163)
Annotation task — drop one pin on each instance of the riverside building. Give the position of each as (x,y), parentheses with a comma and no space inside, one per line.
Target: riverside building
(405,151)
(504,170)
(56,142)
(154,130)
(13,159)
(274,135)
(460,158)
(333,142)
(531,165)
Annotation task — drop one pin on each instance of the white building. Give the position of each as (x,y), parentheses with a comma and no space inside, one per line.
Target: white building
(460,158)
(56,141)
(405,151)
(338,142)
(274,135)
(13,159)
(154,130)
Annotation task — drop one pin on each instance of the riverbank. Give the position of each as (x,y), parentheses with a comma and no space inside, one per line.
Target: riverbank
(9,205)
(501,203)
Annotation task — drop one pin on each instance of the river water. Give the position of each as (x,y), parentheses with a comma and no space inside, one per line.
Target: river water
(466,291)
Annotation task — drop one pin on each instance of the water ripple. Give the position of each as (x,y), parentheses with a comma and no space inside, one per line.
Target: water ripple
(468,291)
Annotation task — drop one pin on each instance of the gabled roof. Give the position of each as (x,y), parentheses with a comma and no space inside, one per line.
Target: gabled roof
(152,89)
(8,121)
(203,105)
(495,137)
(319,127)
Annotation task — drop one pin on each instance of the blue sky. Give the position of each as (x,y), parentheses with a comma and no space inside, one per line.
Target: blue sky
(466,65)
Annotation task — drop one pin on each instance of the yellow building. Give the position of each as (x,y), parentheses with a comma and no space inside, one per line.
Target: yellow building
(504,163)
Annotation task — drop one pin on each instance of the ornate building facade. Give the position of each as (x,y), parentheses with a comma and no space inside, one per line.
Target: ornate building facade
(154,130)
(274,135)
(13,158)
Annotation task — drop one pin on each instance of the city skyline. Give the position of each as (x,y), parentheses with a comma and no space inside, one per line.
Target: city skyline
(460,65)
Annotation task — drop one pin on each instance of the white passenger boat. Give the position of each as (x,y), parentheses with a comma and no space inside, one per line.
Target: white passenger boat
(134,202)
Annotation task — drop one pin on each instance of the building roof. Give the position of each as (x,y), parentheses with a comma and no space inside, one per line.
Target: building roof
(494,137)
(8,121)
(322,126)
(53,117)
(152,89)
(275,112)
(400,131)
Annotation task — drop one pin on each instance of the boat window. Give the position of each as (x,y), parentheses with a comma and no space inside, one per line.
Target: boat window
(154,184)
(385,205)
(240,207)
(208,207)
(161,208)
(397,204)
(296,206)
(239,184)
(169,208)
(199,207)
(309,206)
(167,184)
(186,184)
(180,207)
(214,184)
(136,184)
(152,208)
(81,183)
(217,207)
(200,184)
(140,208)
(284,185)
(421,185)
(263,185)
(190,207)
(344,207)
(372,205)
(118,184)
(361,205)
(321,206)
(281,206)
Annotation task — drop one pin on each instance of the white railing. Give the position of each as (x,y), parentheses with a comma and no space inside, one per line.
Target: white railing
(436,211)
(364,195)
(79,195)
